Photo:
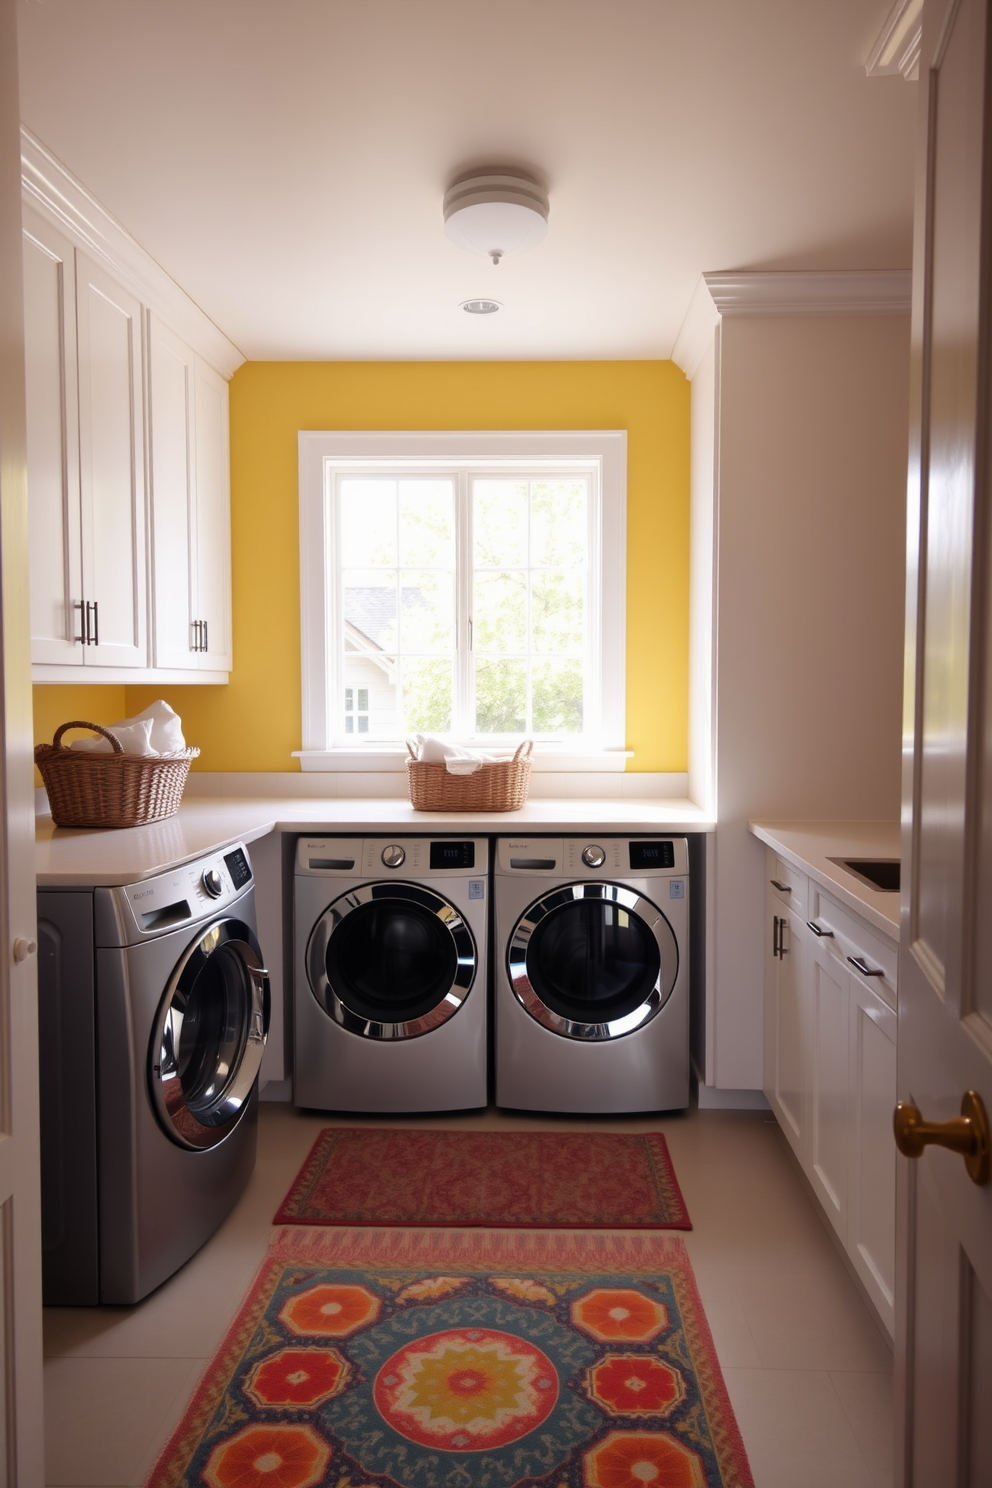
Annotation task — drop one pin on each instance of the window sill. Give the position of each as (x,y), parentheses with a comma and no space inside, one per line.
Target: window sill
(545,760)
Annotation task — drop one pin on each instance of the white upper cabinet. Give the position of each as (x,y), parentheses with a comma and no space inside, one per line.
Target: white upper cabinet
(190,508)
(53,444)
(86,494)
(111,469)
(128,451)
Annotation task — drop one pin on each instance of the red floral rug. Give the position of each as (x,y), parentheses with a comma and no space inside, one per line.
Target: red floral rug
(413,1359)
(525,1180)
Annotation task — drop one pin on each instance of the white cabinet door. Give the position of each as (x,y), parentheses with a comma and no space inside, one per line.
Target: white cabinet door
(112,493)
(787,1019)
(190,505)
(213,519)
(170,399)
(53,443)
(829,1082)
(872,1214)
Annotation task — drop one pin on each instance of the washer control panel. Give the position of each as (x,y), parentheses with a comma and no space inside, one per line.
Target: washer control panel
(409,858)
(187,893)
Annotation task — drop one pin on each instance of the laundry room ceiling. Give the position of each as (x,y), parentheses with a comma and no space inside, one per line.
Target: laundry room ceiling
(286,160)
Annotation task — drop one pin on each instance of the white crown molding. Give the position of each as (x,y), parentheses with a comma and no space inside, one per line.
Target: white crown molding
(897,49)
(697,331)
(47,186)
(843,292)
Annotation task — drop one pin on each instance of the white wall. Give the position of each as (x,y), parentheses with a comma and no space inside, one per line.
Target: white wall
(812,430)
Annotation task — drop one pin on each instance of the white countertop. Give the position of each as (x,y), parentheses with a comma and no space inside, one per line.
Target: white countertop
(809,846)
(83,856)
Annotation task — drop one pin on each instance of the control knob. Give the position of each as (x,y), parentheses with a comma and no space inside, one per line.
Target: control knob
(593,856)
(212,882)
(393,856)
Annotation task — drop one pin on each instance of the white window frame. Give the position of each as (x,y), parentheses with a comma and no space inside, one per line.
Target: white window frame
(324,455)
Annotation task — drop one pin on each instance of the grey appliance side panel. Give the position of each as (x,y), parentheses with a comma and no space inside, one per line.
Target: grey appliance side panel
(117,1104)
(67,1080)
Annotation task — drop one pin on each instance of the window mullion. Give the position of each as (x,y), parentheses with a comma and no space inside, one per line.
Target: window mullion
(464,710)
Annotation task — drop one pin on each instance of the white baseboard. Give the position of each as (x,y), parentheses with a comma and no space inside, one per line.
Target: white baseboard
(712,1099)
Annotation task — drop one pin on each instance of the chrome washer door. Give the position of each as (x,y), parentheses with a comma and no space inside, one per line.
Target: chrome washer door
(209,1036)
(592,961)
(391,960)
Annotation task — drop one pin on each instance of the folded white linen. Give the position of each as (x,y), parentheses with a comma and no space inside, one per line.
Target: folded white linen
(156,730)
(457,758)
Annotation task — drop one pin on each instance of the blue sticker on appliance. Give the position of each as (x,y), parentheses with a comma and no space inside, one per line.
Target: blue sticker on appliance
(676,889)
(477,888)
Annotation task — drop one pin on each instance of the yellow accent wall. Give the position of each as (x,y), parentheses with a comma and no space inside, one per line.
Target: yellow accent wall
(254,722)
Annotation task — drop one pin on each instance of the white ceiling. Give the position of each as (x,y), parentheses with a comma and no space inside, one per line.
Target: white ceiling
(285,160)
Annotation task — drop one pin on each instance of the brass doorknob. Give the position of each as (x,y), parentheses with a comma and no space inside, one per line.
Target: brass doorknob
(967,1134)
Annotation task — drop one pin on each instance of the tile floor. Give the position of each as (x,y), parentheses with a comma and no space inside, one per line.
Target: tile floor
(808,1370)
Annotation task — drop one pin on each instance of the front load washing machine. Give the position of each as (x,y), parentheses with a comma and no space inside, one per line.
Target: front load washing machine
(390,973)
(592,975)
(153,1010)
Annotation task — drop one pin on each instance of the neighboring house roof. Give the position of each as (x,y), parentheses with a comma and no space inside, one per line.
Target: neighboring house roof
(370,611)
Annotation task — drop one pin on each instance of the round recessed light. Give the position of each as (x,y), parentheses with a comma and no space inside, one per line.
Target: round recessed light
(481,307)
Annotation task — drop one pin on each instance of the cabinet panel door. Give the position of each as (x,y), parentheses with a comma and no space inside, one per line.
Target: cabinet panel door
(172,499)
(53,443)
(829,1083)
(789,1037)
(872,1219)
(111,465)
(213,516)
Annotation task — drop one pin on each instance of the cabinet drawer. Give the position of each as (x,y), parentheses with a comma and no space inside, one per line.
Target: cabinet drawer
(852,937)
(787,884)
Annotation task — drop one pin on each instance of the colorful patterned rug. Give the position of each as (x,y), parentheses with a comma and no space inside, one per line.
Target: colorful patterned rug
(463,1359)
(524,1179)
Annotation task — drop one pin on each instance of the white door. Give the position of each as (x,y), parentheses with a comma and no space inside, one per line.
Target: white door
(21,1441)
(944,1265)
(53,443)
(213,520)
(172,497)
(111,468)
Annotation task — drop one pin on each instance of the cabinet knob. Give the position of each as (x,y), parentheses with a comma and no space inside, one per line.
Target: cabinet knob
(967,1134)
(23,948)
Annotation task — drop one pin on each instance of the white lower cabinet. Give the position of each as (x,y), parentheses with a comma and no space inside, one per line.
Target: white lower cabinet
(786,1011)
(830,1064)
(829,1084)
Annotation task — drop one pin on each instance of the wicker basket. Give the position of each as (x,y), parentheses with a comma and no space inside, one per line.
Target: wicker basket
(110,790)
(500,786)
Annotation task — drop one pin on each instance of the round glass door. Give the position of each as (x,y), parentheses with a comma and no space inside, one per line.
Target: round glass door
(593,960)
(391,960)
(209,1036)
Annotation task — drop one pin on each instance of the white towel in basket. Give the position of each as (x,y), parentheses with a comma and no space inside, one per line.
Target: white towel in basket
(458,759)
(156,730)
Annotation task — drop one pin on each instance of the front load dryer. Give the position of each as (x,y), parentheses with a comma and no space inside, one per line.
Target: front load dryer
(390,973)
(153,1010)
(591,973)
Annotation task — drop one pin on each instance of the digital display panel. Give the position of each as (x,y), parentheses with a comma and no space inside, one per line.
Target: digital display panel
(452,854)
(238,867)
(652,854)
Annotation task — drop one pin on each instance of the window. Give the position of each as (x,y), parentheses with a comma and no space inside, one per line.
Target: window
(464,584)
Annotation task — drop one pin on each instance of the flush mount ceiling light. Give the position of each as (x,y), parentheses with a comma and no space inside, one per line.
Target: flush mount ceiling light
(481,307)
(496,212)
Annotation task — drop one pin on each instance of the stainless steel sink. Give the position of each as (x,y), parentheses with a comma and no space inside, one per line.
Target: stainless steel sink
(880,874)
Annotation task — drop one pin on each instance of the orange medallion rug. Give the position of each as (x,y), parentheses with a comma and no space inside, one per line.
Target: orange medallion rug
(525,1179)
(463,1359)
